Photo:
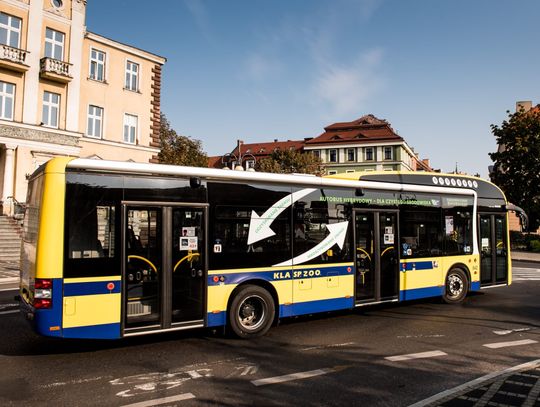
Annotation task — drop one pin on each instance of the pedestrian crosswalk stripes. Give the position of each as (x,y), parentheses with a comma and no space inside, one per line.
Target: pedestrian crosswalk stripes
(525,274)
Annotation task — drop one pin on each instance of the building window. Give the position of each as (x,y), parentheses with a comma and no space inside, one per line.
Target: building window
(95,121)
(7,98)
(51,107)
(130,128)
(349,171)
(10,30)
(54,44)
(388,153)
(250,164)
(332,156)
(351,156)
(97,65)
(317,154)
(132,76)
(369,154)
(332,172)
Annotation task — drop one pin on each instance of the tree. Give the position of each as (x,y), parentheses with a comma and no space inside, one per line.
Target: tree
(179,150)
(289,161)
(517,161)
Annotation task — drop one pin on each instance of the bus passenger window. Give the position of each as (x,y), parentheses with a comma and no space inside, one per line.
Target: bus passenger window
(91,231)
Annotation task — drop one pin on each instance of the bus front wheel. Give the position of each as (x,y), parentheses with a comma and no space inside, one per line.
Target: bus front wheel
(456,287)
(251,312)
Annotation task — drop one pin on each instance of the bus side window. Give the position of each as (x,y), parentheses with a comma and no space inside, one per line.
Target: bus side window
(91,230)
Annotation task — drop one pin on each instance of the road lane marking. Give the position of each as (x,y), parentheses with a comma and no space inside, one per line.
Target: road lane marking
(498,345)
(164,400)
(509,331)
(9,312)
(420,355)
(10,289)
(292,376)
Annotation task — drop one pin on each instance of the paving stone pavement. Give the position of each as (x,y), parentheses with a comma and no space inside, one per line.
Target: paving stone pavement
(516,386)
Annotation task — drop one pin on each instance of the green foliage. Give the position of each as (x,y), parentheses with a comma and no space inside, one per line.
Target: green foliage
(535,246)
(517,163)
(524,241)
(291,161)
(179,150)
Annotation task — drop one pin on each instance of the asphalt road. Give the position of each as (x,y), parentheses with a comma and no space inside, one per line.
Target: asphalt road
(349,358)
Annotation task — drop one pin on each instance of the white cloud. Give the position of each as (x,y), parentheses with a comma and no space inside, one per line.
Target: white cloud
(260,67)
(343,90)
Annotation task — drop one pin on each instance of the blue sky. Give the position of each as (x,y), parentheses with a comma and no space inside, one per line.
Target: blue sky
(441,72)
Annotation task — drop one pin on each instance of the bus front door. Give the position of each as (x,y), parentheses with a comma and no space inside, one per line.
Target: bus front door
(493,250)
(164,267)
(376,256)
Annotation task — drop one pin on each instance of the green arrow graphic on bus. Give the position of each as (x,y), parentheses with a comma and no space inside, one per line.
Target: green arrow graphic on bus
(259,226)
(338,231)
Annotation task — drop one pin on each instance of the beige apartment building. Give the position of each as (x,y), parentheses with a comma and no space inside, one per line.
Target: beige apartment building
(67,91)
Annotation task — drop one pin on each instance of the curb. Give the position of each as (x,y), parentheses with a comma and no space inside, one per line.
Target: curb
(450,394)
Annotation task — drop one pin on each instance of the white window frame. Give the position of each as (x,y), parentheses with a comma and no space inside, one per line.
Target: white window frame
(372,154)
(51,107)
(330,155)
(54,43)
(317,153)
(11,31)
(385,149)
(96,62)
(94,121)
(250,164)
(130,73)
(128,126)
(4,97)
(353,154)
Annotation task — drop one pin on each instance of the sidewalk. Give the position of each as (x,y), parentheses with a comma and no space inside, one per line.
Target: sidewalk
(525,256)
(516,386)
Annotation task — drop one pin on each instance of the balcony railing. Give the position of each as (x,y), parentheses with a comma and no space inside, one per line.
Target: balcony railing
(12,54)
(55,69)
(13,58)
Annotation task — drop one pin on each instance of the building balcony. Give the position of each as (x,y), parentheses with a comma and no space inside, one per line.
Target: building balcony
(55,70)
(13,58)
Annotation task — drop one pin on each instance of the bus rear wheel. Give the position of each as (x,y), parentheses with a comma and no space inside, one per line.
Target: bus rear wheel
(251,312)
(456,287)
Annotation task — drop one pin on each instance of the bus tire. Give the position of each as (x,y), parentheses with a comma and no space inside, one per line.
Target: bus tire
(251,312)
(456,286)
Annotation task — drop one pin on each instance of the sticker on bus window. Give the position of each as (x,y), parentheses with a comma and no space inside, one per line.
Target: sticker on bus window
(217,248)
(485,242)
(188,243)
(388,230)
(388,238)
(188,232)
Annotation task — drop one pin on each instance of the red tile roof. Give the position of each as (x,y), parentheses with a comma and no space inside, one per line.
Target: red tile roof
(266,148)
(366,129)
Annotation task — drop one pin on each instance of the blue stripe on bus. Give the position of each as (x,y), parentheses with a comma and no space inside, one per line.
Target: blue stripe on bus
(45,319)
(105,331)
(312,307)
(291,310)
(418,265)
(91,288)
(475,286)
(279,275)
(216,319)
(418,293)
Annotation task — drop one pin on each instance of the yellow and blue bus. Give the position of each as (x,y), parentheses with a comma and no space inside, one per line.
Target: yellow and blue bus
(117,249)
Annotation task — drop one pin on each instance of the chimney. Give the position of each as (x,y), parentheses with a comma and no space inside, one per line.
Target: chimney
(426,161)
(275,140)
(526,105)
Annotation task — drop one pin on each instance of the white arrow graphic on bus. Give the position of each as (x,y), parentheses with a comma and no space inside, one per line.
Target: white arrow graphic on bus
(336,236)
(259,226)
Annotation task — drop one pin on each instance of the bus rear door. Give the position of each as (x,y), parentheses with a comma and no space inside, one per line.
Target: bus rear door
(164,266)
